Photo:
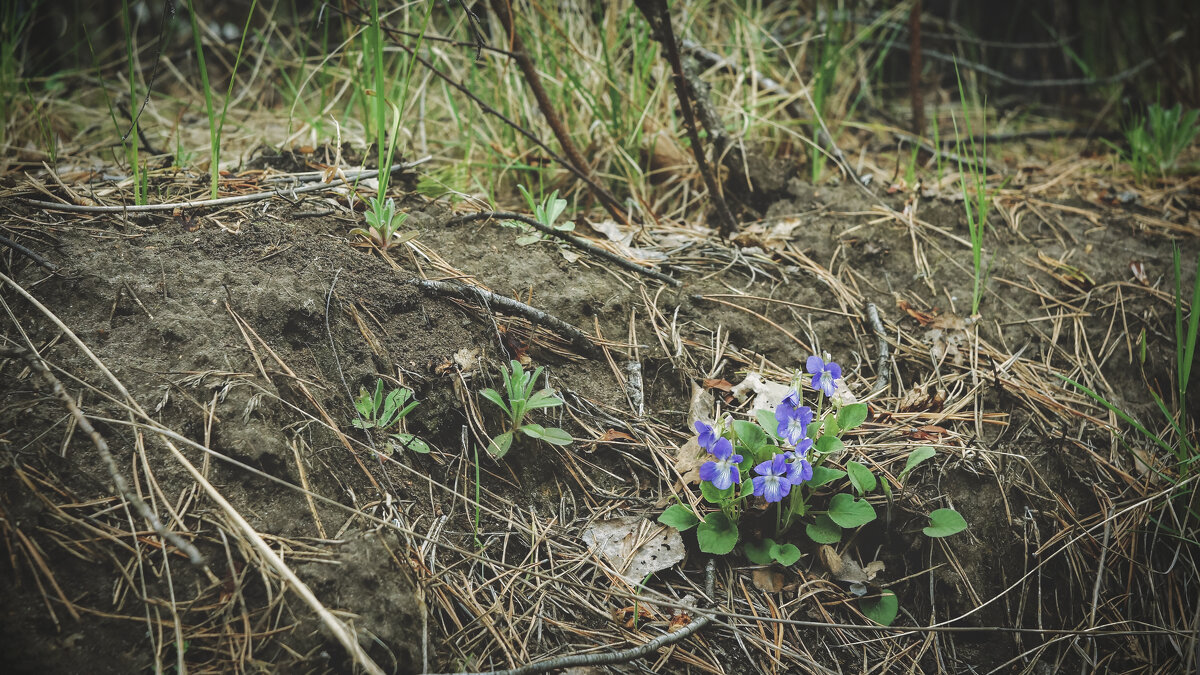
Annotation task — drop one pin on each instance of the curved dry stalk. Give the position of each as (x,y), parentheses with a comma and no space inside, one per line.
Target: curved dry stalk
(143,509)
(340,630)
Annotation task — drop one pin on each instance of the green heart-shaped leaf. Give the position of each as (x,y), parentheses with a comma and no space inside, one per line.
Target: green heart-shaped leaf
(945,522)
(849,512)
(679,517)
(717,534)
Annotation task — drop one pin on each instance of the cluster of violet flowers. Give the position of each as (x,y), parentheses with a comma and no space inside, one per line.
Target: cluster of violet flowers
(778,475)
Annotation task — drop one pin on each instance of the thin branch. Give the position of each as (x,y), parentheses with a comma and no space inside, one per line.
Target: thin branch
(595,187)
(1046,84)
(659,18)
(28,253)
(529,70)
(445,288)
(60,392)
(883,363)
(575,241)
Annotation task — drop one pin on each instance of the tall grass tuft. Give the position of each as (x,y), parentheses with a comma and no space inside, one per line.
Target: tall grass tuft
(216,123)
(130,139)
(977,201)
(1157,140)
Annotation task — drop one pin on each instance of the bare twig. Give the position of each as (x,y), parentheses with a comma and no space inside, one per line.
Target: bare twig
(595,187)
(914,69)
(445,288)
(529,70)
(1116,78)
(659,18)
(883,362)
(29,254)
(575,241)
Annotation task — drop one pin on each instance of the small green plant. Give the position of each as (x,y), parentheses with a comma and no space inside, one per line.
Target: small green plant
(379,411)
(383,224)
(545,212)
(977,201)
(1157,140)
(789,450)
(521,398)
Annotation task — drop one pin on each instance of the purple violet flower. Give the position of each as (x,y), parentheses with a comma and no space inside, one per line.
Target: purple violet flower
(708,436)
(824,374)
(772,483)
(792,400)
(800,451)
(793,423)
(724,471)
(799,470)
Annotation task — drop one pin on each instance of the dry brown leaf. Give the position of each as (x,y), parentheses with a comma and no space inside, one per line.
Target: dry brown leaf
(634,546)
(612,435)
(830,559)
(722,385)
(923,318)
(845,568)
(929,433)
(922,398)
(689,460)
(767,580)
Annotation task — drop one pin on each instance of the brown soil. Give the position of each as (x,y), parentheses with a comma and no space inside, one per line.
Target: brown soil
(160,306)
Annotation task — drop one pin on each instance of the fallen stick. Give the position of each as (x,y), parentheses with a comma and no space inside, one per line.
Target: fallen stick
(883,364)
(659,17)
(575,241)
(455,290)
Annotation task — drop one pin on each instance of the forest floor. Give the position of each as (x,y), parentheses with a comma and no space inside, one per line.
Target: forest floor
(185,478)
(241,335)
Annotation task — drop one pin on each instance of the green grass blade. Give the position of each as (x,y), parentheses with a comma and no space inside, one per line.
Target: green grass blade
(1119,413)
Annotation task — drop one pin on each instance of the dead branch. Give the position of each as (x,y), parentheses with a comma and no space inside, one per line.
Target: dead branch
(529,70)
(28,253)
(659,18)
(883,363)
(575,241)
(445,288)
